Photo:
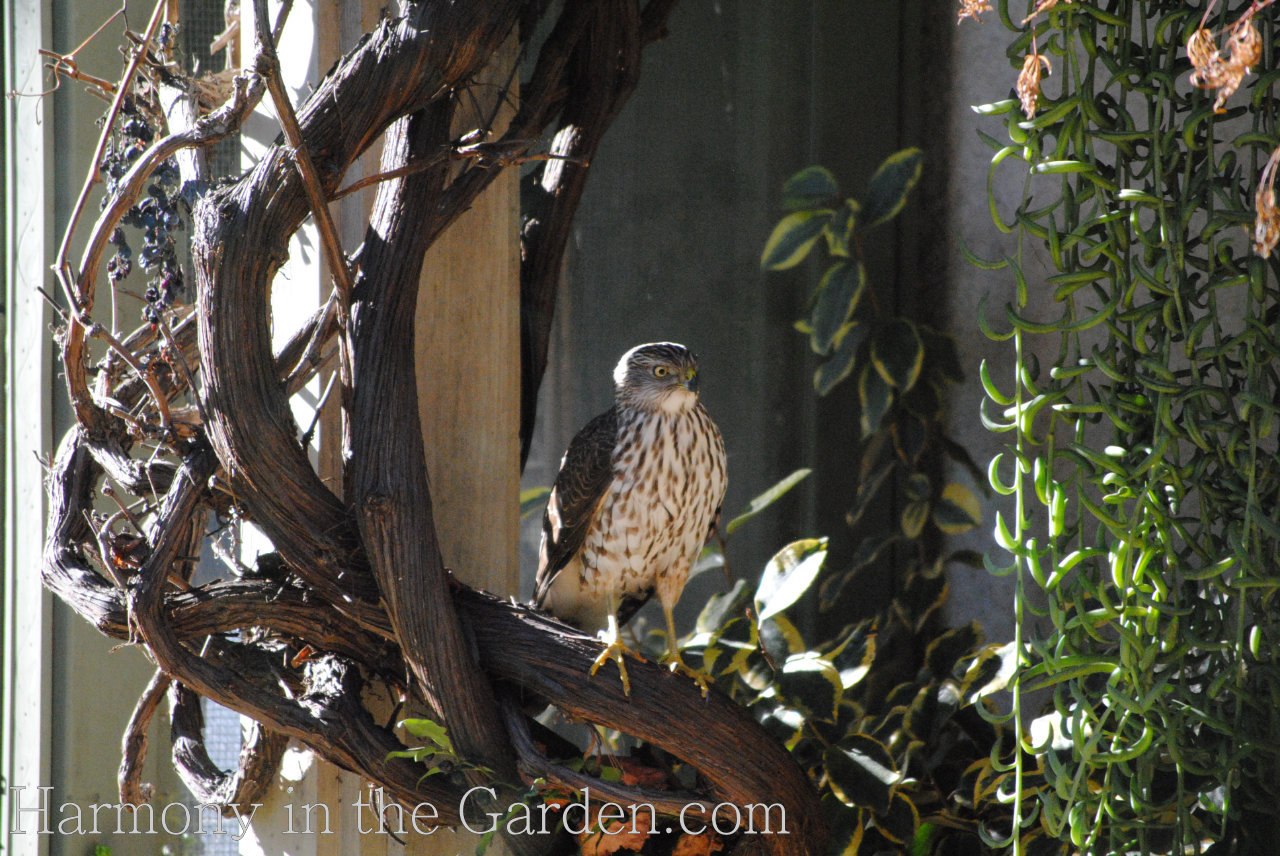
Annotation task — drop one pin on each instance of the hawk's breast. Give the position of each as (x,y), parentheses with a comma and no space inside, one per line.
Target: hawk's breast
(668,481)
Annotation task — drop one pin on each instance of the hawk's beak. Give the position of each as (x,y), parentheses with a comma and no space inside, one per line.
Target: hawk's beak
(691,381)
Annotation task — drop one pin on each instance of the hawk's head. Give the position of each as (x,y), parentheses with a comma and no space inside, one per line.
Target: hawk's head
(657,376)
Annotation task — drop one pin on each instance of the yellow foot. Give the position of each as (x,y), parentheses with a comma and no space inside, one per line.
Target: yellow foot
(614,651)
(677,665)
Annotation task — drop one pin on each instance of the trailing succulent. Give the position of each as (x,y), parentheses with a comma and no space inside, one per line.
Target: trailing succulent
(1141,406)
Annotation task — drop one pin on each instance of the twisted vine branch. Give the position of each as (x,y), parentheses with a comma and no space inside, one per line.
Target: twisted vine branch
(356,592)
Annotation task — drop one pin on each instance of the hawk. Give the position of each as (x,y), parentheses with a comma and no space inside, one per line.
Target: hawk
(638,494)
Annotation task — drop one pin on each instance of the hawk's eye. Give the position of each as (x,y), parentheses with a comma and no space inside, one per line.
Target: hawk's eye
(661,371)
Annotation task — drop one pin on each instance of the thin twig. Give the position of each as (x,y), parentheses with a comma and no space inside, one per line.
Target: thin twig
(97,331)
(48,298)
(134,744)
(123,415)
(63,265)
(315,417)
(497,153)
(269,67)
(282,16)
(65,65)
(183,369)
(110,492)
(311,359)
(102,535)
(399,172)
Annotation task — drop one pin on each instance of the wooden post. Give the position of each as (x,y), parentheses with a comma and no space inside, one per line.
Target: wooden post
(468,355)
(468,352)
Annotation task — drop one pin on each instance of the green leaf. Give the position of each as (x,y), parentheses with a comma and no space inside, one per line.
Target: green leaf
(766,499)
(944,359)
(914,514)
(900,821)
(720,607)
(996,107)
(1051,167)
(429,730)
(839,291)
(944,652)
(848,341)
(925,401)
(855,656)
(898,354)
(811,682)
(958,510)
(869,550)
(875,396)
(739,638)
(918,487)
(780,638)
(888,190)
(811,187)
(989,672)
(792,238)
(862,772)
(482,846)
(533,499)
(846,824)
(788,576)
(783,724)
(926,835)
(411,754)
(839,230)
(709,559)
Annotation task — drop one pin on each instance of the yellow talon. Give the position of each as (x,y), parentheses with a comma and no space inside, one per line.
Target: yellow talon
(613,650)
(674,661)
(677,665)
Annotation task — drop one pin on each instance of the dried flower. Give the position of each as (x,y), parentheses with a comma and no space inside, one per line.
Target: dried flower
(1224,70)
(1029,81)
(1202,50)
(1245,43)
(972,9)
(1042,6)
(1266,229)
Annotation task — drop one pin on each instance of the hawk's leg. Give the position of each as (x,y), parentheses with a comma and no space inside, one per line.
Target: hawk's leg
(613,650)
(673,660)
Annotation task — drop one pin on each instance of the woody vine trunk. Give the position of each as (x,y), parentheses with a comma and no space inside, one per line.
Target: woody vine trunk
(357,591)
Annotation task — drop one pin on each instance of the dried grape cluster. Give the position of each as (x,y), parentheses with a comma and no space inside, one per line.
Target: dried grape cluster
(158,216)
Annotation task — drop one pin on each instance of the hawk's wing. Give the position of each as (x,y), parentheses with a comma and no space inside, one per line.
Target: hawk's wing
(584,476)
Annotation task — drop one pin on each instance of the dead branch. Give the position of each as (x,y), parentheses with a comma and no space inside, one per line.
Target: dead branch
(545,658)
(388,469)
(133,749)
(592,37)
(268,65)
(255,770)
(79,299)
